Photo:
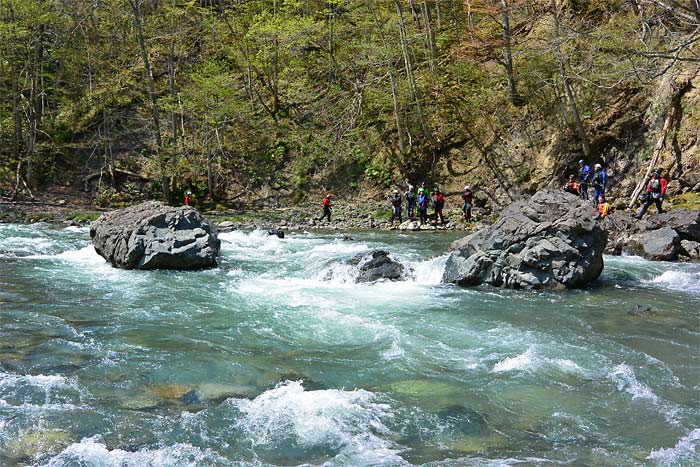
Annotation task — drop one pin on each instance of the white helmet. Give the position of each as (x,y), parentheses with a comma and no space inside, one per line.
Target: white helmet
(598,166)
(468,187)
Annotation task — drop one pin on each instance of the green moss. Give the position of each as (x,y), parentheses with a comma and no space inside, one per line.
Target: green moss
(690,200)
(78,216)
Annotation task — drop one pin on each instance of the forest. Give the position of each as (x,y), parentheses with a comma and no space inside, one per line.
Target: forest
(238,99)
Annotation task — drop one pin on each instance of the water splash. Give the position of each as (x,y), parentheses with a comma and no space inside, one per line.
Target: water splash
(345,422)
(683,453)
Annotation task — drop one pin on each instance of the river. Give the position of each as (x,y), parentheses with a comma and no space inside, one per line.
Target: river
(265,362)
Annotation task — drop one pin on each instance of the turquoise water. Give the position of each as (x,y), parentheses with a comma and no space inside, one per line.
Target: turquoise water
(263,362)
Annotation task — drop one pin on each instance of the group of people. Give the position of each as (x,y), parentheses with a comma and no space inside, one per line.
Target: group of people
(416,202)
(423,200)
(579,185)
(654,193)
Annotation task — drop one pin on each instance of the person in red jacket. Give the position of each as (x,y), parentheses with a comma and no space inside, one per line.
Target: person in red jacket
(438,205)
(326,207)
(189,199)
(655,193)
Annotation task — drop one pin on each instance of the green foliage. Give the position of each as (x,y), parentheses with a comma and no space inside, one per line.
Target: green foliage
(297,95)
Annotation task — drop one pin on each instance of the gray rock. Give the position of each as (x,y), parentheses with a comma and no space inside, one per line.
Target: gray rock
(552,240)
(226,226)
(662,244)
(154,236)
(376,265)
(691,249)
(683,221)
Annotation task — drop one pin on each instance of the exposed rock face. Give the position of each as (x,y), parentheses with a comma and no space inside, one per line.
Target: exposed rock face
(154,236)
(376,265)
(657,245)
(657,237)
(552,240)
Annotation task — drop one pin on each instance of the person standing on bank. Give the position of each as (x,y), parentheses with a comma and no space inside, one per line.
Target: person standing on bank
(584,171)
(599,180)
(326,208)
(410,202)
(396,207)
(468,198)
(655,193)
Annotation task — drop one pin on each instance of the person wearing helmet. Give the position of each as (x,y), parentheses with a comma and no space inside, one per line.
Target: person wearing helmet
(410,202)
(396,207)
(189,199)
(438,204)
(423,203)
(599,180)
(654,193)
(326,208)
(468,198)
(584,171)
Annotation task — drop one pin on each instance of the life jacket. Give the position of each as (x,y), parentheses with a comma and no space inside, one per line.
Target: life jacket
(396,200)
(655,185)
(599,178)
(188,200)
(468,196)
(410,196)
(439,201)
(326,202)
(603,209)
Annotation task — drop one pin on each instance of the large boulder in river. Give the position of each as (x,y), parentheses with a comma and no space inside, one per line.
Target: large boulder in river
(152,235)
(376,265)
(662,244)
(552,240)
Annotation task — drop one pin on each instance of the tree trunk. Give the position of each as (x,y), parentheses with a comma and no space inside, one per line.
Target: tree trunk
(409,71)
(507,55)
(565,80)
(155,112)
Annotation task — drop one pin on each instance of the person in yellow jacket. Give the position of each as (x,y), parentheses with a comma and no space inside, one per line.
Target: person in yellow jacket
(603,207)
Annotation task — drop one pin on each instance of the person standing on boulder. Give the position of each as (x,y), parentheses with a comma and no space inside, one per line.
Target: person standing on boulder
(599,180)
(438,205)
(655,193)
(410,202)
(326,208)
(396,207)
(189,199)
(468,198)
(584,171)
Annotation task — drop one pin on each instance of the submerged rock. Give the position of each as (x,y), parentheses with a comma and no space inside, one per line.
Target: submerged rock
(552,240)
(376,265)
(154,236)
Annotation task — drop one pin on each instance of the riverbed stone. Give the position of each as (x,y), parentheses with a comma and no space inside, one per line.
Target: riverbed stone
(376,265)
(691,249)
(553,240)
(656,245)
(152,235)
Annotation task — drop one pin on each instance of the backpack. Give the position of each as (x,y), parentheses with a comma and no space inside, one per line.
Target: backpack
(655,184)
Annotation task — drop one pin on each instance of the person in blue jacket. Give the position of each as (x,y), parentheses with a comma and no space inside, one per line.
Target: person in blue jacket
(584,172)
(599,180)
(423,204)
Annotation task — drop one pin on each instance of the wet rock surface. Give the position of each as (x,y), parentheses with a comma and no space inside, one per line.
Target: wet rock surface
(552,240)
(152,235)
(658,237)
(376,265)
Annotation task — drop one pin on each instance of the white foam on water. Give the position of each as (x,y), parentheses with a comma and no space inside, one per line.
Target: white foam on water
(623,375)
(76,229)
(351,422)
(683,453)
(91,452)
(680,281)
(519,362)
(429,272)
(27,245)
(531,361)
